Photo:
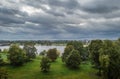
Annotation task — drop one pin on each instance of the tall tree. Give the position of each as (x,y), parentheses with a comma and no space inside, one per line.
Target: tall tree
(78,45)
(67,51)
(73,60)
(110,60)
(94,48)
(16,55)
(30,51)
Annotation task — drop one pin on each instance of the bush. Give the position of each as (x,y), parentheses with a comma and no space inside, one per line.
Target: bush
(45,64)
(52,54)
(30,51)
(43,53)
(5,51)
(67,51)
(3,74)
(73,60)
(16,55)
(1,60)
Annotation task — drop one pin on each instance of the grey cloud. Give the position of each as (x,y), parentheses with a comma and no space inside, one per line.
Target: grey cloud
(64,19)
(70,4)
(101,6)
(100,9)
(8,19)
(56,13)
(8,11)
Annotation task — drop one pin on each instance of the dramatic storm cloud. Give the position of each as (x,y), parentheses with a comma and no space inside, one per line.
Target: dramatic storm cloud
(59,19)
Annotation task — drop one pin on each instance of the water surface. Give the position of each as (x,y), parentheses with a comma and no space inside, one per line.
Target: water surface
(40,48)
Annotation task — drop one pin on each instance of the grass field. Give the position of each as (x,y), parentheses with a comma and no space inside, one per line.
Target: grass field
(31,70)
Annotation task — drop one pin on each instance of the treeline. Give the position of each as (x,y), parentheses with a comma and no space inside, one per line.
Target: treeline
(41,42)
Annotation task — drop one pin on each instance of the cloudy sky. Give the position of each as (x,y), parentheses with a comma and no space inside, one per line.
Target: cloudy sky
(59,19)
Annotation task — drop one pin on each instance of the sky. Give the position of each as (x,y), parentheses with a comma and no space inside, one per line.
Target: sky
(59,19)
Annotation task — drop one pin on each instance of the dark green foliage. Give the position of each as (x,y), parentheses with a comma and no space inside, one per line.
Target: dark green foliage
(52,54)
(71,55)
(73,60)
(3,74)
(30,51)
(110,60)
(1,60)
(43,53)
(16,55)
(85,54)
(94,48)
(45,64)
(67,51)
(5,51)
(78,45)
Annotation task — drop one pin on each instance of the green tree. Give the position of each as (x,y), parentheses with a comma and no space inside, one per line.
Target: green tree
(16,55)
(110,60)
(94,48)
(67,51)
(30,51)
(73,60)
(52,54)
(45,64)
(85,54)
(104,61)
(78,45)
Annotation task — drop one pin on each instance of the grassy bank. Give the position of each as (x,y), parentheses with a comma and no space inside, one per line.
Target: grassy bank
(58,70)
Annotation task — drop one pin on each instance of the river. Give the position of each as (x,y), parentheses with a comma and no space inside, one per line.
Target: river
(40,48)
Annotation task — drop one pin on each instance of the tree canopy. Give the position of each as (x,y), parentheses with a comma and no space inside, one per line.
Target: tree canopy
(16,55)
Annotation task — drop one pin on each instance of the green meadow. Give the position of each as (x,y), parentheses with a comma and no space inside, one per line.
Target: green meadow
(58,70)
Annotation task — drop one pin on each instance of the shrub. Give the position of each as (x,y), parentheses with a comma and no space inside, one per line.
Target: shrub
(1,60)
(3,74)
(52,54)
(5,51)
(16,55)
(45,64)
(73,60)
(43,53)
